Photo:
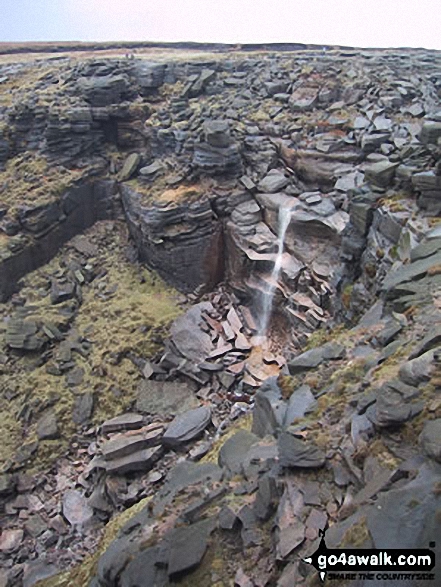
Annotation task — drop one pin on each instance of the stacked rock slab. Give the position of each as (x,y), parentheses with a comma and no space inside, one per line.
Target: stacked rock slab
(217,154)
(183,242)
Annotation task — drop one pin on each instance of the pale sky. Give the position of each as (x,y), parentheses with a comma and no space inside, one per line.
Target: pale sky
(360,23)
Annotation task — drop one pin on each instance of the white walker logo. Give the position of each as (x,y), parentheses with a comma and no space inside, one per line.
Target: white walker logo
(392,563)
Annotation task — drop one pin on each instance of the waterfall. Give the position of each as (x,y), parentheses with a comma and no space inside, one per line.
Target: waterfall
(268,296)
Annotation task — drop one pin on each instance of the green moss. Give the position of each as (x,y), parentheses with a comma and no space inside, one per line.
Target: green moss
(132,319)
(357,535)
(322,336)
(30,179)
(346,295)
(378,449)
(81,575)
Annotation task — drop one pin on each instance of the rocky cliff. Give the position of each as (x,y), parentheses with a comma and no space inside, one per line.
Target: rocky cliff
(154,432)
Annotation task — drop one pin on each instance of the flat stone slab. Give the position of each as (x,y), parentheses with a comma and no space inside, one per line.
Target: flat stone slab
(187,426)
(187,336)
(126,444)
(165,398)
(142,460)
(410,272)
(314,357)
(123,422)
(294,452)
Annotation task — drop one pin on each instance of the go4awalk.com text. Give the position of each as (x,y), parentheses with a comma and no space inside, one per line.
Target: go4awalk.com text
(369,564)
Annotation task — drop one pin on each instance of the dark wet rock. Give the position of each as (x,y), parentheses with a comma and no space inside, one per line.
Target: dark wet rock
(167,398)
(388,224)
(195,511)
(295,452)
(83,408)
(218,154)
(199,85)
(250,526)
(361,212)
(233,451)
(186,427)
(378,478)
(115,558)
(430,439)
(149,76)
(76,509)
(218,160)
(47,427)
(300,403)
(269,409)
(371,141)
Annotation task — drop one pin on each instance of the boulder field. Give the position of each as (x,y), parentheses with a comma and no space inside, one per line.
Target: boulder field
(152,434)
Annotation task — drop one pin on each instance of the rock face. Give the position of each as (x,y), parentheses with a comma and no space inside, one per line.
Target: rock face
(186,427)
(234,445)
(47,228)
(182,242)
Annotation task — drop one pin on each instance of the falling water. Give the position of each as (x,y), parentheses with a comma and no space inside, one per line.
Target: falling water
(268,296)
